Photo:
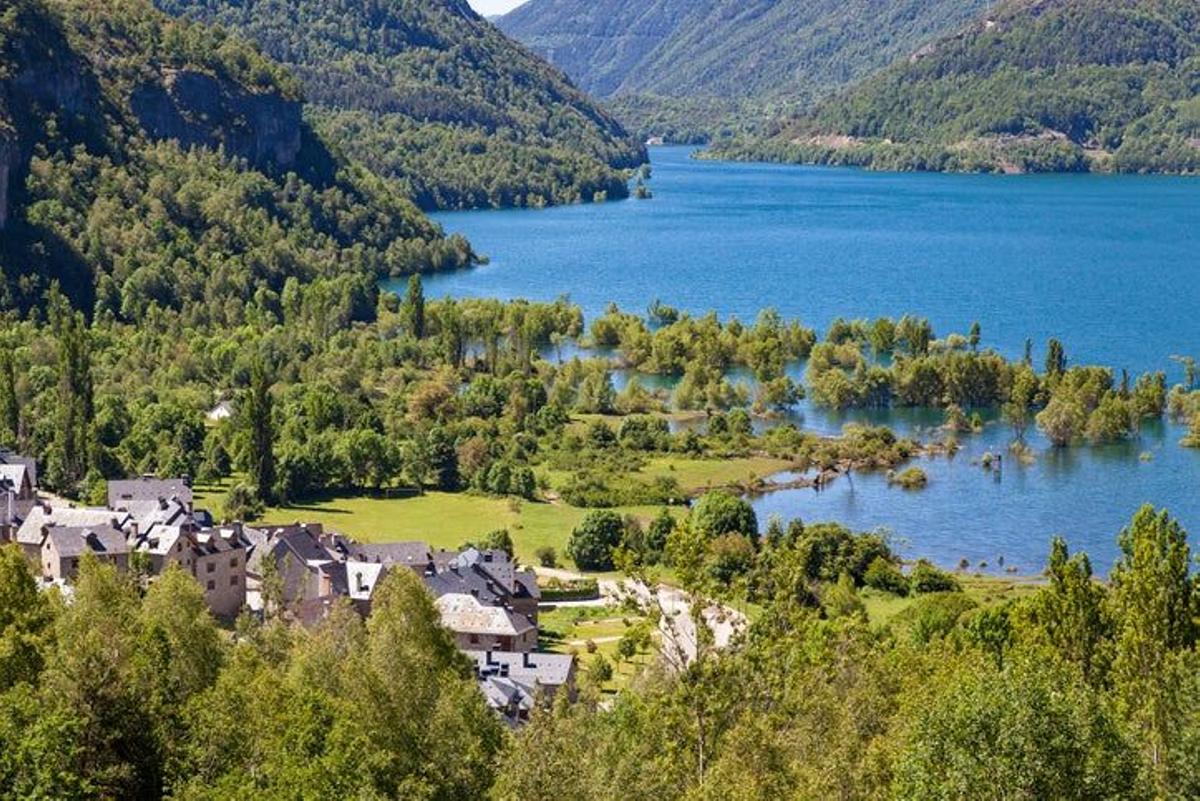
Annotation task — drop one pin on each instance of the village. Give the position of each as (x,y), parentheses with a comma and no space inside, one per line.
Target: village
(488,603)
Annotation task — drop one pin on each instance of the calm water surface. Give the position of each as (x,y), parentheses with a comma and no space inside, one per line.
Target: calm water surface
(1110,265)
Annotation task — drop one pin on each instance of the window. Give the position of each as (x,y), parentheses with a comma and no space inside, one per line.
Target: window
(210,567)
(233,562)
(474,639)
(212,585)
(233,581)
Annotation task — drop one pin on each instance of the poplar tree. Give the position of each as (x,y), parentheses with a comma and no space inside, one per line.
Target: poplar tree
(414,306)
(260,432)
(1056,358)
(70,457)
(1154,603)
(10,409)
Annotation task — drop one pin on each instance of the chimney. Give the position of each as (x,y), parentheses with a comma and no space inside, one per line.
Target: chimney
(491,659)
(526,661)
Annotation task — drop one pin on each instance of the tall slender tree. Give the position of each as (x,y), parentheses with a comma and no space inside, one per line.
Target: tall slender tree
(1056,358)
(1154,603)
(71,454)
(10,408)
(260,430)
(414,306)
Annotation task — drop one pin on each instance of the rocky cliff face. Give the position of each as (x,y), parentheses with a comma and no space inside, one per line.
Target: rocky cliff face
(197,109)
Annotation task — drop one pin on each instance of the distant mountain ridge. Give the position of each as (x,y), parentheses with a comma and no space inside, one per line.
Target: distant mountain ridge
(730,50)
(1036,85)
(429,93)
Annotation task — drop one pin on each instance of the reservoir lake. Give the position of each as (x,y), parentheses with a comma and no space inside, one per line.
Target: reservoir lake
(1110,265)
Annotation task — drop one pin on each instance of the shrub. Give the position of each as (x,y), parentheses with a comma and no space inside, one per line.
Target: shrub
(546,556)
(883,575)
(910,479)
(243,503)
(926,578)
(936,615)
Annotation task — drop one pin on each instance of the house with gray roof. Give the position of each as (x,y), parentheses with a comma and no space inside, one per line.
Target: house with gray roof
(515,683)
(479,626)
(64,546)
(492,578)
(32,531)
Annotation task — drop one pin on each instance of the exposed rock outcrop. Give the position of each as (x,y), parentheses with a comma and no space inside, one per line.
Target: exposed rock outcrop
(198,109)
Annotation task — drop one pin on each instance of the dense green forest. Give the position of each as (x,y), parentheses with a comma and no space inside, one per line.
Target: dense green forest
(1058,85)
(1079,690)
(154,165)
(428,93)
(666,64)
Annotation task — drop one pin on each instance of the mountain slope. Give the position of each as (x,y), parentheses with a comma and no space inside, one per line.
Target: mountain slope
(428,92)
(600,44)
(770,50)
(1038,85)
(154,166)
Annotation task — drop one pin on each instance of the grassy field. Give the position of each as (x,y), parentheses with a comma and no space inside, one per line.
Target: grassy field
(882,607)
(444,520)
(695,476)
(447,520)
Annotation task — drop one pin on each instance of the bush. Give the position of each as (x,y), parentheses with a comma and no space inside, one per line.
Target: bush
(243,503)
(718,513)
(546,556)
(883,575)
(926,578)
(910,479)
(558,590)
(593,540)
(936,615)
(827,550)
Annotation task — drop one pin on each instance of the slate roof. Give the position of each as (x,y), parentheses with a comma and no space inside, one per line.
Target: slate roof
(303,542)
(510,681)
(43,515)
(465,614)
(28,462)
(73,541)
(151,514)
(416,555)
(148,489)
(546,670)
(15,474)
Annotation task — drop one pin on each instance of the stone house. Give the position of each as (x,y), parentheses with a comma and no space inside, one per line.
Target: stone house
(64,546)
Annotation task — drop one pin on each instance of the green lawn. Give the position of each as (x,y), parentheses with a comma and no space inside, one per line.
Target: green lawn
(568,630)
(444,520)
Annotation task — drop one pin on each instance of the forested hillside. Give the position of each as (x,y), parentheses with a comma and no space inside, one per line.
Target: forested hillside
(150,163)
(429,93)
(670,51)
(1036,85)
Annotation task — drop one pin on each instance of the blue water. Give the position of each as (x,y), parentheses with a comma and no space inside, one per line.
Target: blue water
(1110,265)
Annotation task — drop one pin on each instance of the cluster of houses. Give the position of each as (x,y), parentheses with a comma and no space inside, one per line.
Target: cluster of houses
(487,602)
